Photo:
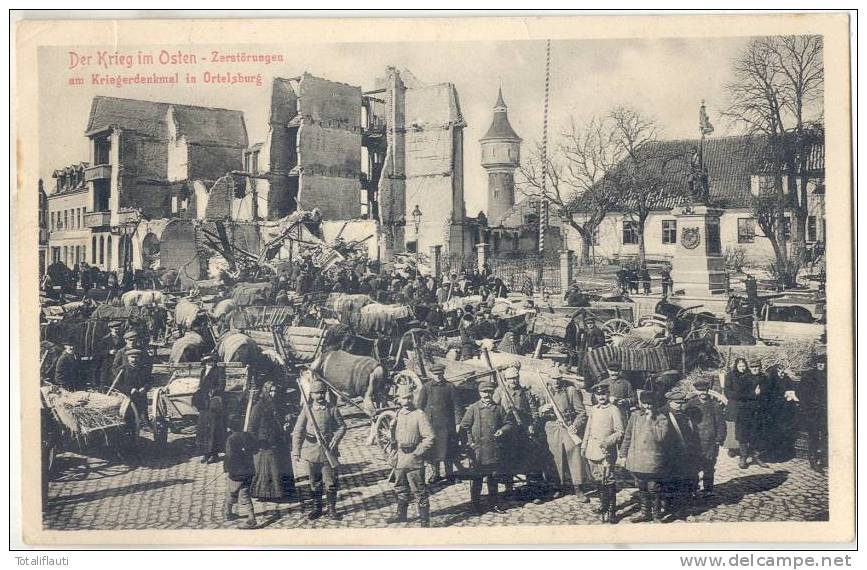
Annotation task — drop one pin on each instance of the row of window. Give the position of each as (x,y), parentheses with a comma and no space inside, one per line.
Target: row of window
(71,219)
(69,254)
(746,231)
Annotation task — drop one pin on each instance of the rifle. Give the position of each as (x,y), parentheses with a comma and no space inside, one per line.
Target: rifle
(557,412)
(329,456)
(503,389)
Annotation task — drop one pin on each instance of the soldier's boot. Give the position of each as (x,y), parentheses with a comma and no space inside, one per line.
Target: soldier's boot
(332,506)
(656,506)
(707,483)
(612,504)
(317,507)
(759,461)
(603,501)
(476,496)
(400,514)
(229,513)
(744,454)
(424,516)
(644,503)
(580,496)
(494,497)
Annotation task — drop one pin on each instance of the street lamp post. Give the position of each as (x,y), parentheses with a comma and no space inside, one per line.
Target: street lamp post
(416,218)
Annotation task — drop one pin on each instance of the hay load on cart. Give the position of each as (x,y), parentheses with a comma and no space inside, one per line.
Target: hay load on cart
(87,419)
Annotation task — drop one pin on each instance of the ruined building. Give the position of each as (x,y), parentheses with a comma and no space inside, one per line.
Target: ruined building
(152,160)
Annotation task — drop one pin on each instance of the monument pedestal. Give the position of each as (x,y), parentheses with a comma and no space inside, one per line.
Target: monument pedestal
(698,266)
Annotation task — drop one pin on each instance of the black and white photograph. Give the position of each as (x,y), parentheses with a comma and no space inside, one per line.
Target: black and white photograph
(563,282)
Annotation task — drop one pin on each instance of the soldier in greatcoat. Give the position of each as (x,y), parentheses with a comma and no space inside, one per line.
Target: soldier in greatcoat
(520,451)
(642,453)
(599,446)
(413,437)
(710,426)
(485,424)
(565,456)
(306,446)
(134,379)
(105,353)
(439,403)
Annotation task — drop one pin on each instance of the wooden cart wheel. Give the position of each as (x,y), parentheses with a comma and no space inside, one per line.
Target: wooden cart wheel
(616,327)
(382,431)
(159,422)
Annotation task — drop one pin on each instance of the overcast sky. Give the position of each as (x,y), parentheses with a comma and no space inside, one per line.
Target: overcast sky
(666,79)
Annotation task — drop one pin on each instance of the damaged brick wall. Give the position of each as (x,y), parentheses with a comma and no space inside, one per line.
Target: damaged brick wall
(329,148)
(212,161)
(143,175)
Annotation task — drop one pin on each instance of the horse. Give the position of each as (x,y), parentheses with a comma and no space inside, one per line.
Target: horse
(143,298)
(353,376)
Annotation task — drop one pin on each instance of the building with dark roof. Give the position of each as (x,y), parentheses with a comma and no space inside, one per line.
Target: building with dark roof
(737,170)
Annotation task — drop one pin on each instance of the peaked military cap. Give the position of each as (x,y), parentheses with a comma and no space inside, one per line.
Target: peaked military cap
(487,386)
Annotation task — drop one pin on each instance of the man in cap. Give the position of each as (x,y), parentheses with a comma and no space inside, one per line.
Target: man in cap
(685,453)
(620,390)
(239,468)
(599,446)
(108,346)
(593,336)
(812,392)
(134,379)
(439,403)
(131,341)
(68,372)
(413,437)
(306,446)
(564,455)
(710,426)
(519,453)
(208,399)
(484,425)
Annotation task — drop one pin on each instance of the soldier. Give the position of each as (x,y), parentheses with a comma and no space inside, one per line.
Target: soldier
(643,454)
(684,455)
(812,392)
(711,429)
(437,400)
(413,437)
(485,424)
(604,431)
(593,335)
(130,339)
(108,347)
(565,454)
(620,390)
(667,282)
(134,380)
(519,450)
(306,446)
(68,371)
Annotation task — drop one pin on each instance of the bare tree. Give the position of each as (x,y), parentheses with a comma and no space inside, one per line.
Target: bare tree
(644,177)
(576,181)
(778,82)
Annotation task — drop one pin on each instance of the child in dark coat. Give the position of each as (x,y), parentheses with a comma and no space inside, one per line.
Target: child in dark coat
(239,468)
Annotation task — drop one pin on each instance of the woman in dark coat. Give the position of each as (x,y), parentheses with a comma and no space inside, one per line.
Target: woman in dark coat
(273,468)
(774,421)
(742,392)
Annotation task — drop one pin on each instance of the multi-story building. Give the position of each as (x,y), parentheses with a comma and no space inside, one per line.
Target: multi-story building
(147,160)
(68,206)
(43,229)
(737,172)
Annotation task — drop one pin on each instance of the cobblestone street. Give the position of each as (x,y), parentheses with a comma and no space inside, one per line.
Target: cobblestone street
(173,490)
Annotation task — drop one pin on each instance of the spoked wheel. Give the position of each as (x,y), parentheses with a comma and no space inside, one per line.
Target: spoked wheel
(616,327)
(381,435)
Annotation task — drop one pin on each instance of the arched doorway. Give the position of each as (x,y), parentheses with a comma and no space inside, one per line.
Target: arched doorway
(150,251)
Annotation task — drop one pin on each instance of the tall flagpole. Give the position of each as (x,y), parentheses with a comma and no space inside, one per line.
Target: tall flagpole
(543,202)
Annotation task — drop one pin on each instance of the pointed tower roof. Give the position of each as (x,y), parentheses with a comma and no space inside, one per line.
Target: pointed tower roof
(500,127)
